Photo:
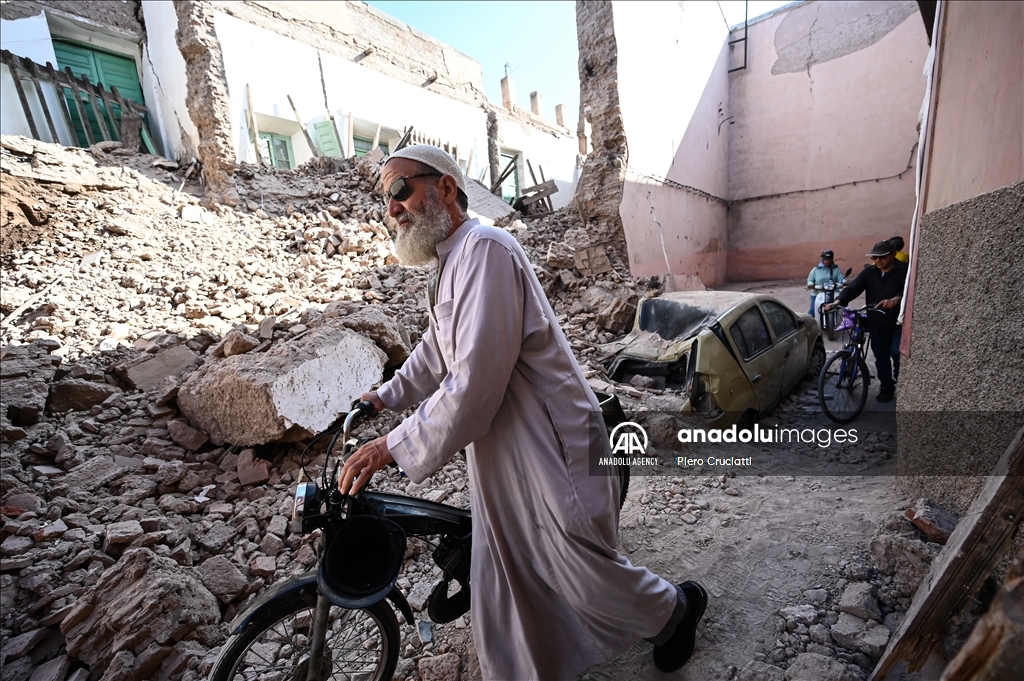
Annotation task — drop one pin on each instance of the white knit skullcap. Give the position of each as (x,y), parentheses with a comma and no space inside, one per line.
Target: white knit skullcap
(438,159)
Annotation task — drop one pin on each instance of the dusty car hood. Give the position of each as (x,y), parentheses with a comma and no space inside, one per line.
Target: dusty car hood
(666,325)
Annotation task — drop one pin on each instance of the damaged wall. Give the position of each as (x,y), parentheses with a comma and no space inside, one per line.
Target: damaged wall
(208,100)
(673,208)
(348,29)
(824,136)
(123,16)
(599,192)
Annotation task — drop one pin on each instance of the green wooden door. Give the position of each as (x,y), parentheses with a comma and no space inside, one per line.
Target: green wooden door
(99,67)
(326,139)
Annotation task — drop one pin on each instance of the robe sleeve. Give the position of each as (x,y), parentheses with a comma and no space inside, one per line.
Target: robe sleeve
(419,376)
(486,331)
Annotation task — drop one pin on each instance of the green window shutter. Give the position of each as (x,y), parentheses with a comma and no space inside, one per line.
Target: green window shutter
(326,139)
(99,67)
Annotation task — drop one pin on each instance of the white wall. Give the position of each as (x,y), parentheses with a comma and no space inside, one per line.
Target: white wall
(674,94)
(164,80)
(29,38)
(555,154)
(277,66)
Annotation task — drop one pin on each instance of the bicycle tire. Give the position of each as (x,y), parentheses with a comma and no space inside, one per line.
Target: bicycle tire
(841,394)
(268,647)
(830,322)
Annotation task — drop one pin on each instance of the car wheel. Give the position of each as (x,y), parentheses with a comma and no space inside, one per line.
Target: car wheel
(817,361)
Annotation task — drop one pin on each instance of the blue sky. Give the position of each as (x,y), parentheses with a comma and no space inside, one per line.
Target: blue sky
(536,40)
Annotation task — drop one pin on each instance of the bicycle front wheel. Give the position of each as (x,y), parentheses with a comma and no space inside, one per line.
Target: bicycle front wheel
(361,644)
(843,387)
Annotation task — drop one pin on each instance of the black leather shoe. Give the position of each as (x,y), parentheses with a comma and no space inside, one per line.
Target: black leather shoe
(677,650)
(885,394)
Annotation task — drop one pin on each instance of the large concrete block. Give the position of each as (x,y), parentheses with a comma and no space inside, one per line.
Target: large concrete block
(294,389)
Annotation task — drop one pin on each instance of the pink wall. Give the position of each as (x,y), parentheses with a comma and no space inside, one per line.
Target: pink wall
(978,134)
(824,137)
(694,227)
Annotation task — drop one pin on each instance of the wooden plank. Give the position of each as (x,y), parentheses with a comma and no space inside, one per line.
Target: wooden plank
(496,185)
(76,92)
(95,108)
(550,184)
(540,169)
(108,104)
(974,549)
(250,117)
(13,66)
(54,77)
(305,132)
(131,123)
(33,73)
(540,196)
(404,142)
(376,137)
(995,642)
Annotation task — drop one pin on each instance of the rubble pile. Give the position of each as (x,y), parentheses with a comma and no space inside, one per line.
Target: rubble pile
(841,629)
(134,524)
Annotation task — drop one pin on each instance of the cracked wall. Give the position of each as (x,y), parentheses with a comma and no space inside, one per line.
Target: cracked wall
(823,145)
(819,32)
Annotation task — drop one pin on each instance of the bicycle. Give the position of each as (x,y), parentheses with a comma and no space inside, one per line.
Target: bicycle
(296,631)
(844,380)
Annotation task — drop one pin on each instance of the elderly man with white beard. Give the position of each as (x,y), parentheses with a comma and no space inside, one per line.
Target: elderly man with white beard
(494,374)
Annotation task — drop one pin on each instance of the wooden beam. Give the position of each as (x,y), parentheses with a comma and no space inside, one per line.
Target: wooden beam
(305,132)
(76,92)
(540,169)
(13,66)
(376,137)
(974,549)
(250,117)
(62,103)
(496,185)
(34,75)
(96,109)
(550,184)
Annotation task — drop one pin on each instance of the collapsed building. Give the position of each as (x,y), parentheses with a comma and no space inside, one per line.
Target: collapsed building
(110,488)
(214,87)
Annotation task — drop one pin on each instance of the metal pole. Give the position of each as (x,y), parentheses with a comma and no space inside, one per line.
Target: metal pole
(318,637)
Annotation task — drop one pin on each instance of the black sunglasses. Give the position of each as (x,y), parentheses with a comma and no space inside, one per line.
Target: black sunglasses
(400,189)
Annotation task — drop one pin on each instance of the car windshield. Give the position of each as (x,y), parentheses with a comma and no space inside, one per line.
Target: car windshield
(673,319)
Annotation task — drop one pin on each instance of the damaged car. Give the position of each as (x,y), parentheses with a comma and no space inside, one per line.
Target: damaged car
(732,355)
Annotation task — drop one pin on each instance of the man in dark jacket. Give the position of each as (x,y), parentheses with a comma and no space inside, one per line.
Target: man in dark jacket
(882,286)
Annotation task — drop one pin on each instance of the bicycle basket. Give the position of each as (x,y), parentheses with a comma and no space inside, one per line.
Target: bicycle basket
(848,321)
(362,563)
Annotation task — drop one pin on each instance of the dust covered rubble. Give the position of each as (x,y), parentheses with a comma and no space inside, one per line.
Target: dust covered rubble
(840,629)
(119,284)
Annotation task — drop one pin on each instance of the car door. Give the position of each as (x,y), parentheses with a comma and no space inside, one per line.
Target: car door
(761,363)
(790,343)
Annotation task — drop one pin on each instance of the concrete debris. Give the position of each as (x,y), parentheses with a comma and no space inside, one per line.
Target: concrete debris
(292,391)
(128,608)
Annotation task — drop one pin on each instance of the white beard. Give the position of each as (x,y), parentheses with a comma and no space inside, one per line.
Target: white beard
(416,239)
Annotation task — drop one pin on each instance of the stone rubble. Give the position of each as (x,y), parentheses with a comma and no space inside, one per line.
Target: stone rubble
(126,510)
(122,292)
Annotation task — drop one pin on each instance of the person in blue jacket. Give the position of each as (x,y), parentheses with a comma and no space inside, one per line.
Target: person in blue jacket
(825,271)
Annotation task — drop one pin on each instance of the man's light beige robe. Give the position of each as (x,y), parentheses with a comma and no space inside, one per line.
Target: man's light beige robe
(551,595)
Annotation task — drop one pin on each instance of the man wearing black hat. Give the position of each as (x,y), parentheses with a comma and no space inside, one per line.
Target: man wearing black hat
(882,286)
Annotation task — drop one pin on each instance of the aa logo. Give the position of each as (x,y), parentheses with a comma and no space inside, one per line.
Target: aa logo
(628,438)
